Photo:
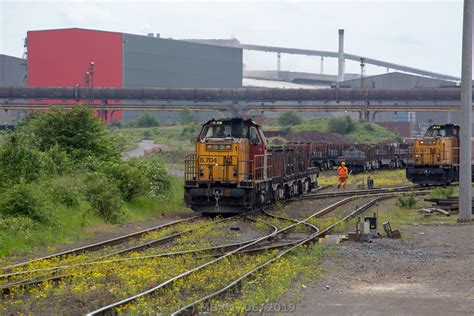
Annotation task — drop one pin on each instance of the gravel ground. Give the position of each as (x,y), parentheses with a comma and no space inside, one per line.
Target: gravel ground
(429,272)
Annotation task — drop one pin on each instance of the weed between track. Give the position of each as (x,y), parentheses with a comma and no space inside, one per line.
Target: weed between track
(91,287)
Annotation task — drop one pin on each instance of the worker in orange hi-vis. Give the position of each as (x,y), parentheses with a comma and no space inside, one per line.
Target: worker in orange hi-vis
(343,173)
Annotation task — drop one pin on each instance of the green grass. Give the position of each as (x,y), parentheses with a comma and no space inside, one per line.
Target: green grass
(69,224)
(367,133)
(382,178)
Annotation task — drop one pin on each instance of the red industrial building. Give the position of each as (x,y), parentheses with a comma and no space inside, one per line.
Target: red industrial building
(60,58)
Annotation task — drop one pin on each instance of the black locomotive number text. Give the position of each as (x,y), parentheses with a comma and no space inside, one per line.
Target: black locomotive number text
(207,160)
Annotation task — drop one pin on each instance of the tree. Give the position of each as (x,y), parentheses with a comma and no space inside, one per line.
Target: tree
(76,131)
(289,118)
(186,117)
(343,125)
(20,160)
(147,120)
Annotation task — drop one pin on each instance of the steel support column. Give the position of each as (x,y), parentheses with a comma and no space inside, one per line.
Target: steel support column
(465,180)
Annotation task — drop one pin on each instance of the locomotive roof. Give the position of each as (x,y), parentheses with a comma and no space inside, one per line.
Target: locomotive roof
(229,120)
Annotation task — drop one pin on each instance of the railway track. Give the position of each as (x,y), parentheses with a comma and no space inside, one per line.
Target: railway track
(343,193)
(192,307)
(41,278)
(102,244)
(268,242)
(252,246)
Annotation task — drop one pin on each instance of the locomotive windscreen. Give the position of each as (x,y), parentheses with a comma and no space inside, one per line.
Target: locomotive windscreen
(237,127)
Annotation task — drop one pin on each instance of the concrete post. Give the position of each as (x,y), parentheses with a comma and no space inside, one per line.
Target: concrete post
(6,117)
(340,69)
(465,180)
(278,64)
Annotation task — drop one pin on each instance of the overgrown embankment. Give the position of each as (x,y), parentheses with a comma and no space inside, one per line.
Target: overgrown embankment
(62,171)
(355,132)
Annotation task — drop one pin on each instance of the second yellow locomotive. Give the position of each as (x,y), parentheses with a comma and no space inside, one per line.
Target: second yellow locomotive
(436,156)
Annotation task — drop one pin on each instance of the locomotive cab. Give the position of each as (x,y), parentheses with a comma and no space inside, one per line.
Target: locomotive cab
(436,156)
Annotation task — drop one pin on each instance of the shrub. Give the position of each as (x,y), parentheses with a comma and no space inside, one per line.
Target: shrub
(145,120)
(147,134)
(58,161)
(75,131)
(188,133)
(23,200)
(65,195)
(443,192)
(407,200)
(20,160)
(16,225)
(342,125)
(290,118)
(104,196)
(158,179)
(186,117)
(130,180)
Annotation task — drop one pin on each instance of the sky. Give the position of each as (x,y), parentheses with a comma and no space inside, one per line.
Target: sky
(423,34)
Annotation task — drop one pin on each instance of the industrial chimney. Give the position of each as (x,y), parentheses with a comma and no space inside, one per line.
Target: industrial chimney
(340,70)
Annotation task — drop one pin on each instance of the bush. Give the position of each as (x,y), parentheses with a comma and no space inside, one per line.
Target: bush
(289,118)
(23,200)
(58,161)
(145,120)
(407,200)
(130,180)
(343,125)
(20,160)
(75,131)
(16,225)
(443,192)
(158,179)
(104,197)
(186,117)
(188,133)
(65,195)
(147,135)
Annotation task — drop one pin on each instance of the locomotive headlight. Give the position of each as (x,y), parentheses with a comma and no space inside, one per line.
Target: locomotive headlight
(228,147)
(421,142)
(209,147)
(236,171)
(201,171)
(221,147)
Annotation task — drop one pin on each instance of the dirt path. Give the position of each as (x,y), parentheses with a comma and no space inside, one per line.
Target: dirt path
(430,272)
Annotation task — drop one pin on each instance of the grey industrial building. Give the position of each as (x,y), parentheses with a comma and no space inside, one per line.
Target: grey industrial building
(158,62)
(12,74)
(398,80)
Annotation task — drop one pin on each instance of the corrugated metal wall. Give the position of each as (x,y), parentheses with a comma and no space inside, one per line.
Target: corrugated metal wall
(11,71)
(60,58)
(11,75)
(158,62)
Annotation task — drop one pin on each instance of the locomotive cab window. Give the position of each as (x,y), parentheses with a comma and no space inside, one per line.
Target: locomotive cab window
(448,130)
(223,129)
(254,139)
